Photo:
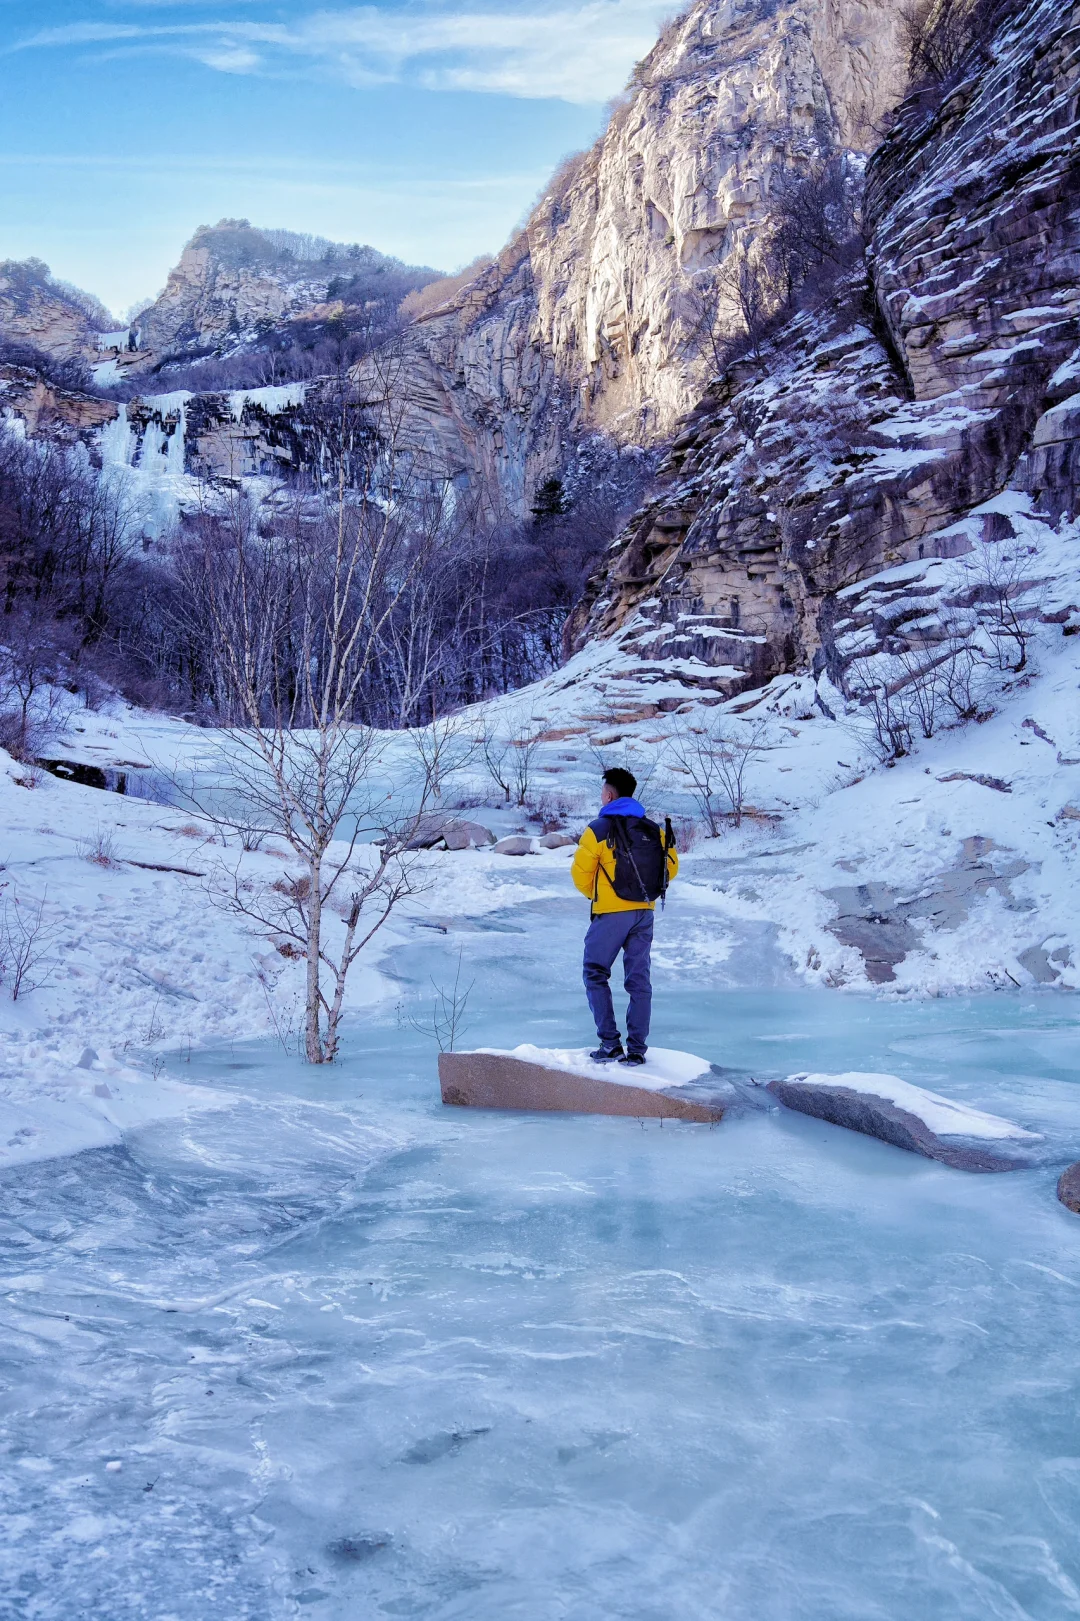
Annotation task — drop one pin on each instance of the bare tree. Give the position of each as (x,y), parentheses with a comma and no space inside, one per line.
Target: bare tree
(25,939)
(297,623)
(716,758)
(446,747)
(496,750)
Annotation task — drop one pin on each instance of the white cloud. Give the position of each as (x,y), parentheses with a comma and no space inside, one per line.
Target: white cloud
(578,54)
(229,58)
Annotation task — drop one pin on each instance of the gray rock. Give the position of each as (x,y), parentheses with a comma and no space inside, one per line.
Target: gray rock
(88,1059)
(555,841)
(515,845)
(878,1117)
(1068,1188)
(438,830)
(467,835)
(498,1081)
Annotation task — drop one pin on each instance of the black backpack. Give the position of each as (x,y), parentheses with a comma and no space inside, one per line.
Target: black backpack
(641,855)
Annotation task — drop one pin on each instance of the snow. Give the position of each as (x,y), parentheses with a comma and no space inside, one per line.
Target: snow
(663,1066)
(941,1115)
(275,398)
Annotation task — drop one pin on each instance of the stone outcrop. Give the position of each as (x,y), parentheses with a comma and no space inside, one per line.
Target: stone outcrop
(64,415)
(37,311)
(875,1116)
(211,296)
(861,432)
(235,283)
(1068,1187)
(601,313)
(498,1081)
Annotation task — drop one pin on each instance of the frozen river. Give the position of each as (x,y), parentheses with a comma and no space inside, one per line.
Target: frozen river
(361,1356)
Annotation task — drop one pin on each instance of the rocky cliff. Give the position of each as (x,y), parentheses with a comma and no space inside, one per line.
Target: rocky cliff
(235,284)
(603,312)
(872,429)
(43,314)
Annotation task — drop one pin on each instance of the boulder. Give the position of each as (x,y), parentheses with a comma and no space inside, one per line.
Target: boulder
(501,1081)
(467,835)
(906,1116)
(448,833)
(515,845)
(1068,1188)
(555,841)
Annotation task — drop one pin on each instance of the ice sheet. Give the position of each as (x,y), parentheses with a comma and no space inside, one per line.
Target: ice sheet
(663,1067)
(942,1115)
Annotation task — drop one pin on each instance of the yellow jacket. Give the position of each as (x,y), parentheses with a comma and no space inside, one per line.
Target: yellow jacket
(593,873)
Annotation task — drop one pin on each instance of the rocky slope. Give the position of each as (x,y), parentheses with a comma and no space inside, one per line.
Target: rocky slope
(879,428)
(43,314)
(235,284)
(602,313)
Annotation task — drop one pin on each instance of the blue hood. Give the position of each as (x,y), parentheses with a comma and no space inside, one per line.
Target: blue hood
(623,807)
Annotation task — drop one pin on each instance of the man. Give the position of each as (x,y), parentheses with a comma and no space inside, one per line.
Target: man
(622,864)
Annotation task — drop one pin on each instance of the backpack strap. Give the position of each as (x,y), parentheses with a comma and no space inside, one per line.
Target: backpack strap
(669,845)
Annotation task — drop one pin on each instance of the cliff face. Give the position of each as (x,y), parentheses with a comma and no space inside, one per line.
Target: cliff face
(65,415)
(207,298)
(600,314)
(235,283)
(870,428)
(34,310)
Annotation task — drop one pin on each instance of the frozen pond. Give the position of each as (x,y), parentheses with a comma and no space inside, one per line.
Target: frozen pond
(358,1355)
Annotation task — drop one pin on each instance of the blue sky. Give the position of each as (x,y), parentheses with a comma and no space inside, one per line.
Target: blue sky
(425,128)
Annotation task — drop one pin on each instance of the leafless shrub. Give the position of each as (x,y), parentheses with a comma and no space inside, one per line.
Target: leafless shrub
(415,305)
(26,961)
(944,37)
(919,692)
(98,848)
(716,758)
(641,760)
(688,833)
(552,811)
(446,1022)
(1000,577)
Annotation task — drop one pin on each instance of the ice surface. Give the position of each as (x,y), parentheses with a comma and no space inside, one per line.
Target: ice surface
(942,1115)
(663,1067)
(361,1356)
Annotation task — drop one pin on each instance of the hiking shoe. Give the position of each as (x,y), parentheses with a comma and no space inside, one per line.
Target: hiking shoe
(608,1055)
(632,1058)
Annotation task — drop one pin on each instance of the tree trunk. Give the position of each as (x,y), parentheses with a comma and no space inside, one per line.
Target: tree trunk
(313,1043)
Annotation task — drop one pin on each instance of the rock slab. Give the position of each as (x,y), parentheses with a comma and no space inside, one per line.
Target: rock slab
(496,1081)
(1068,1188)
(879,1117)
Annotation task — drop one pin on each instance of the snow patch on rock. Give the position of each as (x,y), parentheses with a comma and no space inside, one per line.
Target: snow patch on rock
(942,1116)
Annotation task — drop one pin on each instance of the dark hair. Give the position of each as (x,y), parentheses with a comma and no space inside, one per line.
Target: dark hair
(623,782)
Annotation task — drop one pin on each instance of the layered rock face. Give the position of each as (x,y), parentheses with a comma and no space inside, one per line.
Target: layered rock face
(602,313)
(870,425)
(234,283)
(206,298)
(35,311)
(64,415)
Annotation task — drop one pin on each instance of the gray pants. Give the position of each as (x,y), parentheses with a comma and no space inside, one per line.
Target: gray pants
(631,933)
